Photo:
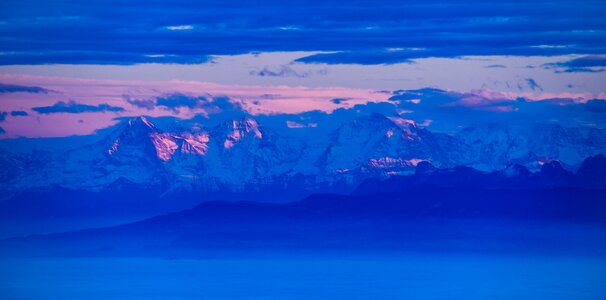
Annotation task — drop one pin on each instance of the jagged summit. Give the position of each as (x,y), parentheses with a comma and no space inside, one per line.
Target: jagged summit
(135,136)
(232,132)
(243,152)
(141,121)
(137,127)
(378,126)
(377,120)
(143,138)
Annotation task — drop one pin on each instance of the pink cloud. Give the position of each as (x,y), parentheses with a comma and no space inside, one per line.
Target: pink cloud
(254,99)
(484,100)
(578,97)
(488,100)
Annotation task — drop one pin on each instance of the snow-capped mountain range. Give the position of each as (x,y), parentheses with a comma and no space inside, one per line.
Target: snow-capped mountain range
(243,154)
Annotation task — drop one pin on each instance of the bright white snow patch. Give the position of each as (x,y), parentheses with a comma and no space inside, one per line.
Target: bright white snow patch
(180,27)
(291,124)
(165,145)
(391,162)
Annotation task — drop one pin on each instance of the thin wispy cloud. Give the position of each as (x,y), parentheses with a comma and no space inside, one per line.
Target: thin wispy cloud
(584,64)
(286,71)
(364,57)
(19,113)
(141,103)
(180,27)
(496,67)
(73,107)
(13,88)
(533,84)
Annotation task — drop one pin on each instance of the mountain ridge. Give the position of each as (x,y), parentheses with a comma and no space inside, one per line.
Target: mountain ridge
(242,154)
(420,220)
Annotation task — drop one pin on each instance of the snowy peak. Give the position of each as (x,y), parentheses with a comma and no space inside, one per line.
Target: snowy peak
(135,135)
(409,127)
(137,128)
(372,125)
(142,138)
(193,143)
(242,153)
(376,144)
(141,122)
(236,130)
(165,145)
(501,144)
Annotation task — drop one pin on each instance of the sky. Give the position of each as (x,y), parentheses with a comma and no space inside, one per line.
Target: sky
(75,67)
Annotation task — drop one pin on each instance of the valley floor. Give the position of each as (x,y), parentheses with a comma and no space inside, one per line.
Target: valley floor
(312,277)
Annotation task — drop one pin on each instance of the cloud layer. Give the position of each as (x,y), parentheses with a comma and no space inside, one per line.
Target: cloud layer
(12,88)
(363,32)
(72,107)
(450,111)
(101,103)
(589,64)
(175,101)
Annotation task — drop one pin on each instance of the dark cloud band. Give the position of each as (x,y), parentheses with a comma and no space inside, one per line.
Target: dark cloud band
(174,102)
(72,107)
(11,88)
(133,31)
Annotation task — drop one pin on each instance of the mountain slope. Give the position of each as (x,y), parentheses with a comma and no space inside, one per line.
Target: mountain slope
(469,220)
(242,154)
(382,146)
(496,145)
